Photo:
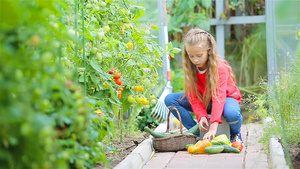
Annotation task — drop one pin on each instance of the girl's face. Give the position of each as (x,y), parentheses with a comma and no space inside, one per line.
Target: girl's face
(198,56)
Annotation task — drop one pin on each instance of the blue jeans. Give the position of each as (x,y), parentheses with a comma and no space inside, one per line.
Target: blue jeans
(231,112)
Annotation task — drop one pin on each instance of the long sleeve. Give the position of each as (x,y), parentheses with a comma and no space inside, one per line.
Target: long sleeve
(219,100)
(197,107)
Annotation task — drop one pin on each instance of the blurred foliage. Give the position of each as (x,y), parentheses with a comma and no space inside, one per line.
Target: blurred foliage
(279,107)
(177,80)
(250,67)
(46,121)
(245,44)
(60,96)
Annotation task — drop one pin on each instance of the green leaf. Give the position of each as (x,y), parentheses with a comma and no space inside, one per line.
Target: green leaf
(155,27)
(204,24)
(125,104)
(191,3)
(116,109)
(207,3)
(9,13)
(94,78)
(176,50)
(139,13)
(47,4)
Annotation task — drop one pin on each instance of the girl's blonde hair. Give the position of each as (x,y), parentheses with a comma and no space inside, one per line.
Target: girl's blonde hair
(199,37)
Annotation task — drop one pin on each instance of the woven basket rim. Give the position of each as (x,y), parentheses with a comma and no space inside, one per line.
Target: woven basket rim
(174,136)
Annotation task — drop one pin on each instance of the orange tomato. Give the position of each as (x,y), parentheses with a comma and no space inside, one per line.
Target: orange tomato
(119,94)
(142,89)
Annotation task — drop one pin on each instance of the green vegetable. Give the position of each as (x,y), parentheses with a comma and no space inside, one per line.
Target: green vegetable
(157,135)
(192,130)
(229,149)
(214,149)
(187,146)
(220,140)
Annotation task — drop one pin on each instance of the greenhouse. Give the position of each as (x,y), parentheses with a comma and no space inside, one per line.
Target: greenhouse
(167,84)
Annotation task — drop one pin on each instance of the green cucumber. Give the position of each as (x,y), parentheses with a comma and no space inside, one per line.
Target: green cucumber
(214,149)
(229,149)
(192,130)
(157,135)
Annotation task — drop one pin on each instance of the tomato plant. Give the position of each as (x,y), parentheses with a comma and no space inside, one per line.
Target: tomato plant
(68,71)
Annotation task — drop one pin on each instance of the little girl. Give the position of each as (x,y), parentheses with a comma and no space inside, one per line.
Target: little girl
(209,88)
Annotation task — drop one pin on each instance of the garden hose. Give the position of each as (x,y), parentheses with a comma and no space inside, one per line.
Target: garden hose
(145,162)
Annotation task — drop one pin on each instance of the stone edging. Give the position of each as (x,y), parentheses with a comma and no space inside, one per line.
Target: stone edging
(277,155)
(142,153)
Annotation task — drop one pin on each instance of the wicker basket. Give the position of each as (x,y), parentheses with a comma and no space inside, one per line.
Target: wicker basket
(176,142)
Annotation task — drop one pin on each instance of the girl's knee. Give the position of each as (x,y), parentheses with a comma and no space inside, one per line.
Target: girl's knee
(233,116)
(168,100)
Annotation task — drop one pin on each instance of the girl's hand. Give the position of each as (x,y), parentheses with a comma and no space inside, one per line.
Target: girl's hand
(202,122)
(212,131)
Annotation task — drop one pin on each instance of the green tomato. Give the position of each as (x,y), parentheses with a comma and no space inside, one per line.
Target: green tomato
(88,6)
(100,35)
(47,57)
(45,104)
(65,155)
(71,32)
(80,119)
(127,12)
(138,99)
(45,132)
(94,50)
(19,74)
(79,163)
(147,106)
(26,129)
(86,156)
(56,44)
(97,8)
(152,96)
(107,28)
(130,99)
(99,57)
(153,101)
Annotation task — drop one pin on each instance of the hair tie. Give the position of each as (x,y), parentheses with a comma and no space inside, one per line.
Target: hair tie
(204,32)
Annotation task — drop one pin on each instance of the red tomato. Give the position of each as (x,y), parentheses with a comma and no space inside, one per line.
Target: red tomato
(112,71)
(117,76)
(237,145)
(118,82)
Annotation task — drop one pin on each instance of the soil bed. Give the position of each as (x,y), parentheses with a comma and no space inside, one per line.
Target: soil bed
(124,148)
(295,155)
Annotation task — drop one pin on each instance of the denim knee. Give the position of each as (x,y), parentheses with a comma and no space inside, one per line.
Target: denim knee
(233,116)
(168,100)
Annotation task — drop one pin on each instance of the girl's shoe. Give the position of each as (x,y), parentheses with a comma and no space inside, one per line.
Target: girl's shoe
(237,137)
